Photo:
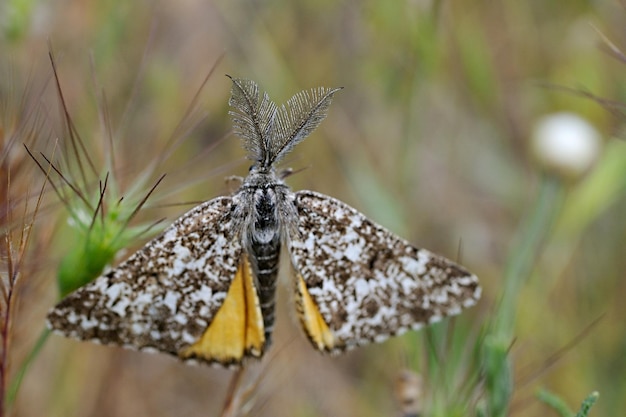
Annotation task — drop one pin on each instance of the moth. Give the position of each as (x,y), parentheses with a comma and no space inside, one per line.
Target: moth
(204,290)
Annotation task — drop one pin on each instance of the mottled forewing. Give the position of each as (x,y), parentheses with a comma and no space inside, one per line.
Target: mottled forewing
(166,294)
(369,284)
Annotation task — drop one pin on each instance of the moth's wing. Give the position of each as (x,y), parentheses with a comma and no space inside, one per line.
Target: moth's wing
(188,292)
(358,283)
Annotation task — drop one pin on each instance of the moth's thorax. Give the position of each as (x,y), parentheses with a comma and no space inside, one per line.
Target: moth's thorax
(266,225)
(263,201)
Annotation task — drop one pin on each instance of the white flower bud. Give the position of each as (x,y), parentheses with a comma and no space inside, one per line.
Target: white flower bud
(566,144)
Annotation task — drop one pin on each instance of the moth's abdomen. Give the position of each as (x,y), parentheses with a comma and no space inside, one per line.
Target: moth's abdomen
(265,253)
(266,259)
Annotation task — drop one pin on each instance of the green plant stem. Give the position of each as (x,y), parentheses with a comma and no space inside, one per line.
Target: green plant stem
(587,404)
(555,402)
(523,254)
(17,381)
(525,250)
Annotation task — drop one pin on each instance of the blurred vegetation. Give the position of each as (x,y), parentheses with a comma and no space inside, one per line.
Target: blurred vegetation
(429,138)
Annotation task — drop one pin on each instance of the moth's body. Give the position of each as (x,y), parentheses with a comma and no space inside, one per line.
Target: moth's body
(264,206)
(205,289)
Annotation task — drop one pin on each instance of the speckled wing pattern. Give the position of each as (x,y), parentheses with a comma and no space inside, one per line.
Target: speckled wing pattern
(204,289)
(165,295)
(367,283)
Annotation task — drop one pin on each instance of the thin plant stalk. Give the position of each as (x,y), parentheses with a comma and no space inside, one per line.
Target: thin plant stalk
(526,249)
(232,401)
(16,383)
(523,255)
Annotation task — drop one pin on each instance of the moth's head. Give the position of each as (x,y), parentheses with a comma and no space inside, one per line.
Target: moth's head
(257,169)
(260,174)
(261,169)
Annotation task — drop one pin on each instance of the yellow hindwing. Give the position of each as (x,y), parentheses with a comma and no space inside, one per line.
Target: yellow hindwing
(314,324)
(237,328)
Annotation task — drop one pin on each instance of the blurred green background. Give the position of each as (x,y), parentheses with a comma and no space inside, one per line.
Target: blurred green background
(428,138)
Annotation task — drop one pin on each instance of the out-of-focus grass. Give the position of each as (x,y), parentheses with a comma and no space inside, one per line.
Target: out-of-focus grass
(429,138)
